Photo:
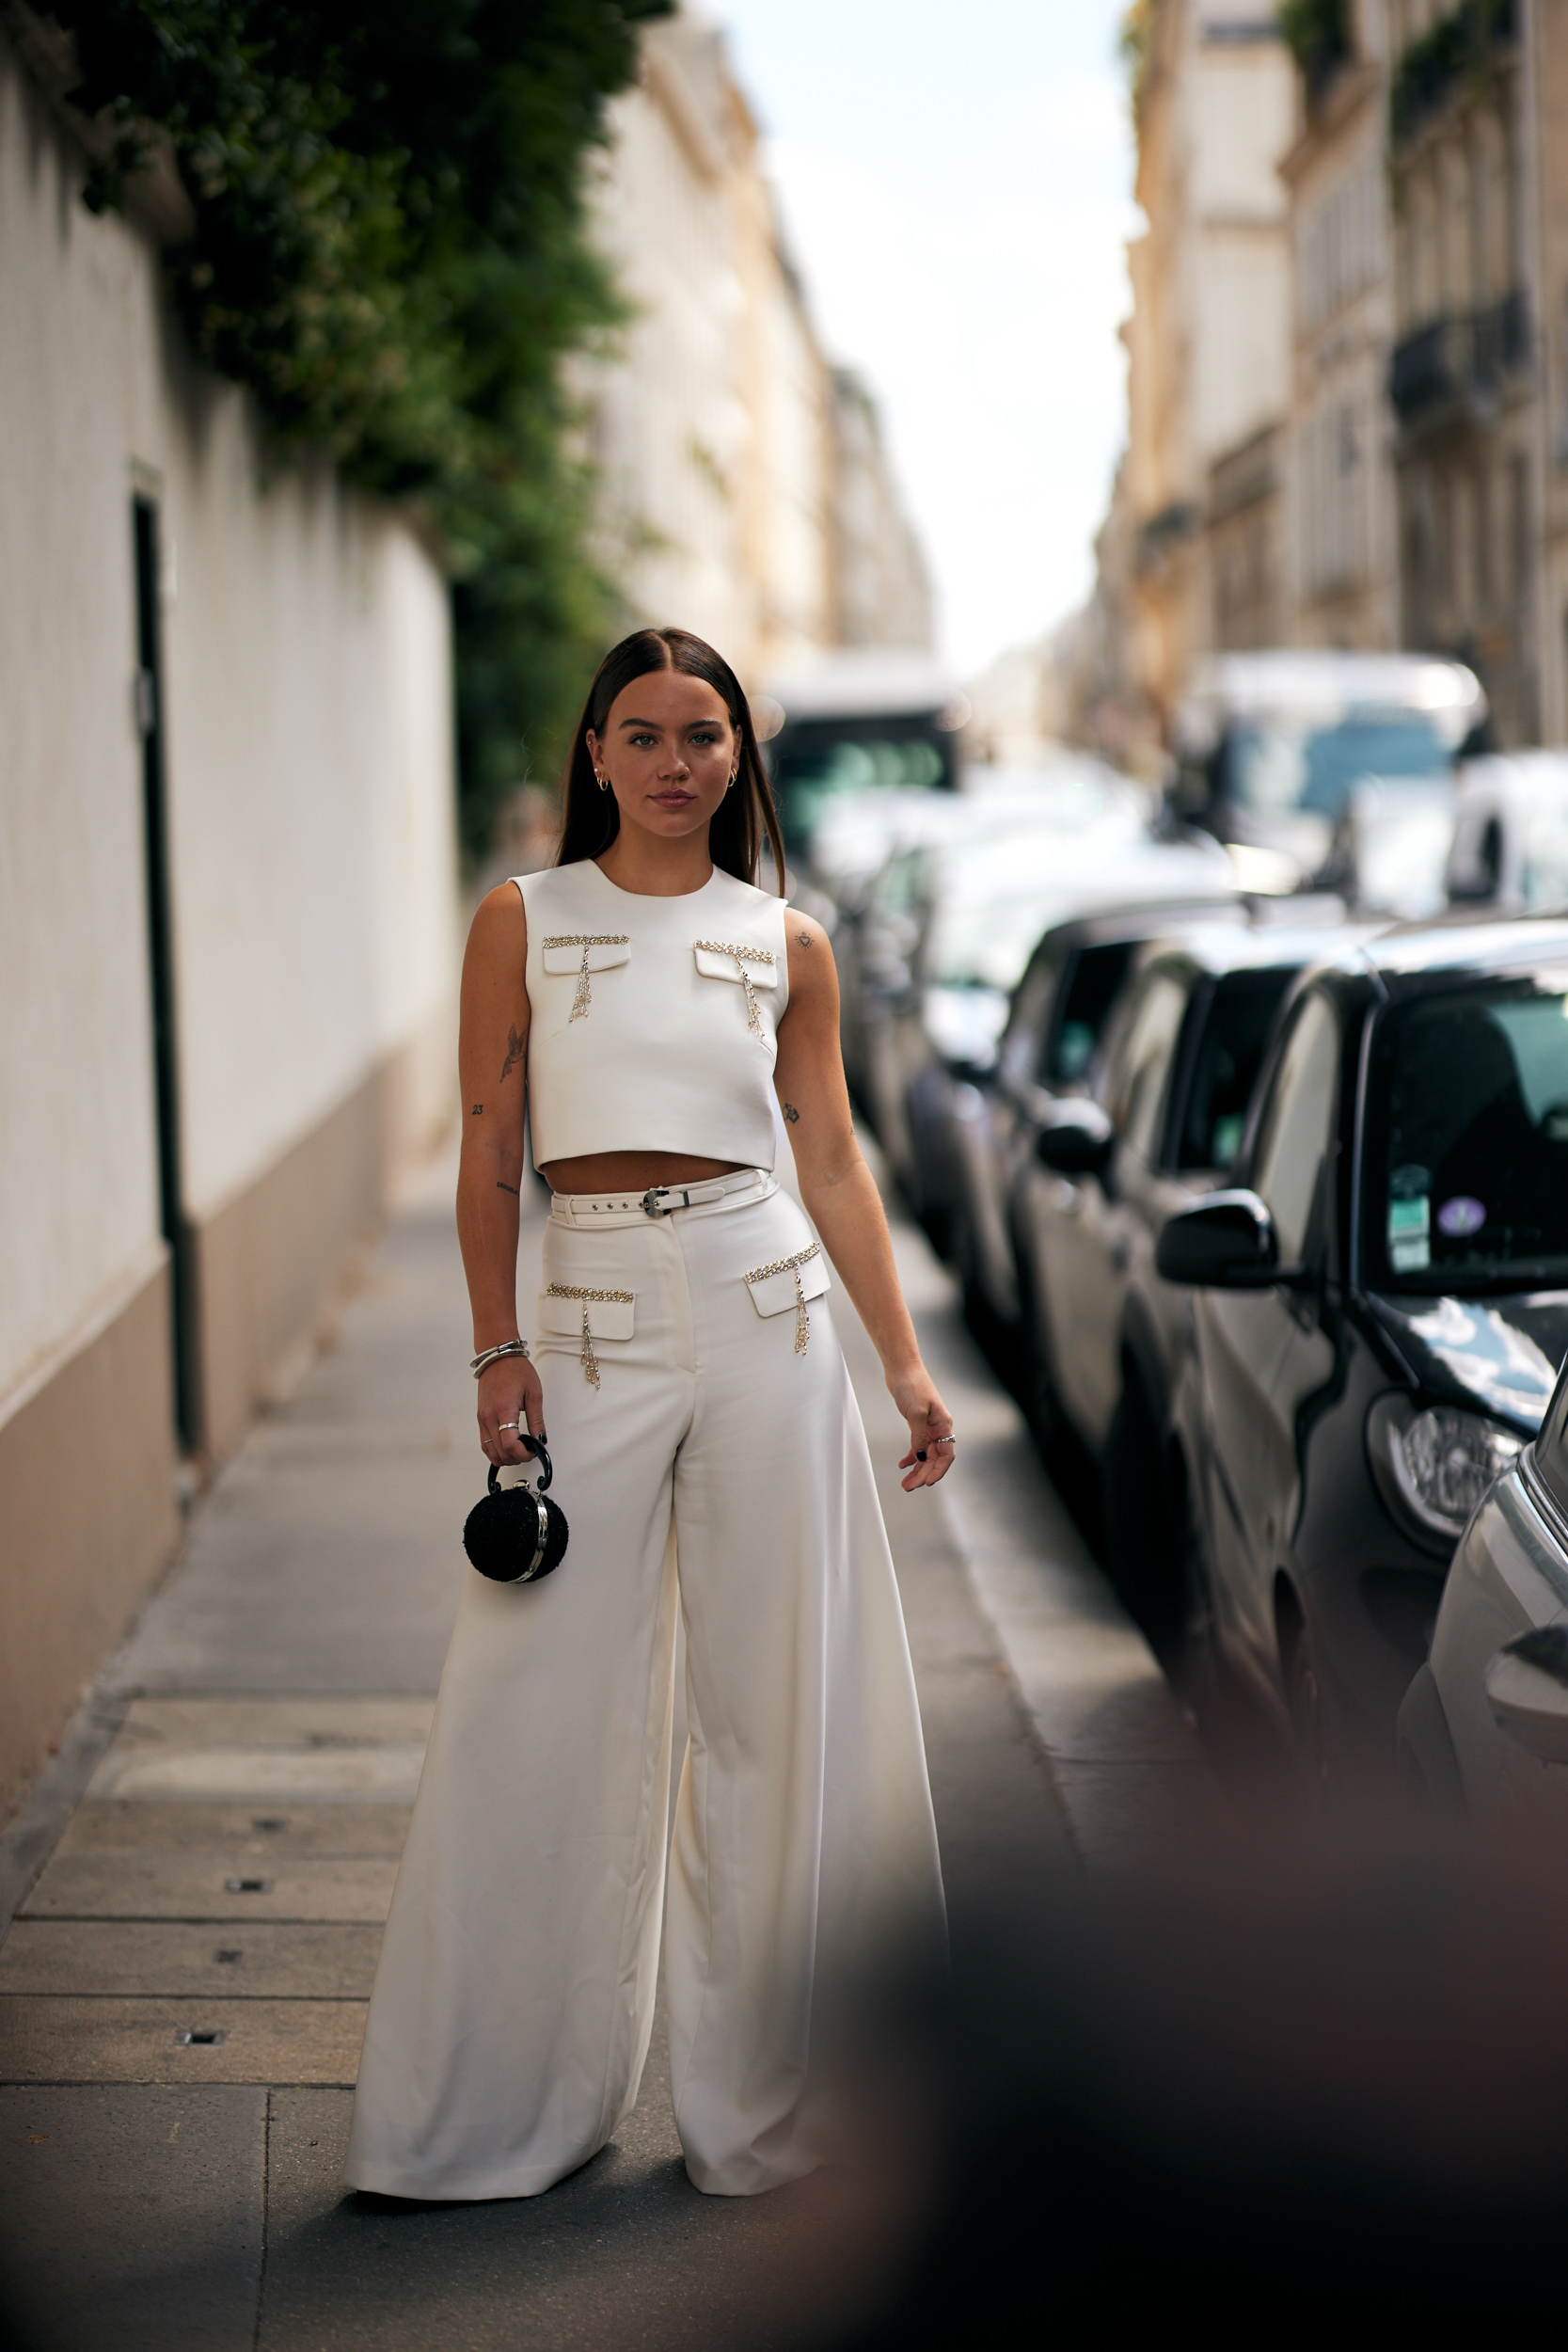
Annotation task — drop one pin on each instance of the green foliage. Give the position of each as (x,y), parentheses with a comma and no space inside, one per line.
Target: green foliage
(391,252)
(1458,48)
(1134,40)
(1317,33)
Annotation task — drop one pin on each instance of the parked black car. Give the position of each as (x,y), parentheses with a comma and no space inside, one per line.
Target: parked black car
(1380,1310)
(1046,1057)
(1105,1336)
(948,929)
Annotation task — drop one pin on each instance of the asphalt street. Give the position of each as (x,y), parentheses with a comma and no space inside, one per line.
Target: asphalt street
(195,1889)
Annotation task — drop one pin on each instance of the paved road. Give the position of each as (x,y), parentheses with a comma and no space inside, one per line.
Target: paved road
(199,1881)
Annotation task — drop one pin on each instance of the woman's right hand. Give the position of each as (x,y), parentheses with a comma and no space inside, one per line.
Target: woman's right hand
(509,1392)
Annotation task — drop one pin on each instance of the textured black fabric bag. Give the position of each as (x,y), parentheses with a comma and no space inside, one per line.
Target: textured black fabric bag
(514,1536)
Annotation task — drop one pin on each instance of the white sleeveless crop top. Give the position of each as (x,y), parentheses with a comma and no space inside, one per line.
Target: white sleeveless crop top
(652,1023)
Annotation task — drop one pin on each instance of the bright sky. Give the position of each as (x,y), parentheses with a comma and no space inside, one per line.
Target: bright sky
(956,185)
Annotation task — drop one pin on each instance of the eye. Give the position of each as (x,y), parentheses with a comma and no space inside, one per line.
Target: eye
(638,741)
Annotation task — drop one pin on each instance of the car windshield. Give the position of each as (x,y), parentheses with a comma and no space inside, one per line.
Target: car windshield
(994,896)
(815,766)
(1466,1174)
(1274,765)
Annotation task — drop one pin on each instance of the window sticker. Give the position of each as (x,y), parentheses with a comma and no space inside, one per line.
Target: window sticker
(1461,1217)
(1227,1138)
(1409,1222)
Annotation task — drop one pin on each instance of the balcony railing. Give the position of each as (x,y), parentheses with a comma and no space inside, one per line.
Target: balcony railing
(1462,363)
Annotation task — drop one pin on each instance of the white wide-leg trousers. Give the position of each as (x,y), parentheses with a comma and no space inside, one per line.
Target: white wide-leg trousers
(717,1472)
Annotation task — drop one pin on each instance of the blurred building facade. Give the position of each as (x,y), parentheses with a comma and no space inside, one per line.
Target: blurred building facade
(228,910)
(1348,385)
(1344,585)
(746,489)
(1208,341)
(1479,169)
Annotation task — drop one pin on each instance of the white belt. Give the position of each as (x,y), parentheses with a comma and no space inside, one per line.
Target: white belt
(587,1208)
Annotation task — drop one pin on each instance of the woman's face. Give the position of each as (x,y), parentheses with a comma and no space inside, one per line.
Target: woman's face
(669,750)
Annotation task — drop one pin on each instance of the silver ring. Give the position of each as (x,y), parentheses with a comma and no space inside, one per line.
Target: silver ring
(944,1441)
(512,1424)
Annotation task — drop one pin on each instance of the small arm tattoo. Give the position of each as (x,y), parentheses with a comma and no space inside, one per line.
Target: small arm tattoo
(804,938)
(510,1188)
(478,1110)
(514,1053)
(790,1112)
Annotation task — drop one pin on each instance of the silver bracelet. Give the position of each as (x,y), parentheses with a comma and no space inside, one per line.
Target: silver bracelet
(493,1355)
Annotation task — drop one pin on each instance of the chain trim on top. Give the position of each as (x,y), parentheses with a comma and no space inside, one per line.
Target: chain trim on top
(588,1361)
(741,957)
(793,1266)
(585,940)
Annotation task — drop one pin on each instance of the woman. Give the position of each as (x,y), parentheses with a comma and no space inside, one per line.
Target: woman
(644,997)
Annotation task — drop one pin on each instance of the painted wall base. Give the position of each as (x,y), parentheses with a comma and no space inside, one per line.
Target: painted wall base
(88,1508)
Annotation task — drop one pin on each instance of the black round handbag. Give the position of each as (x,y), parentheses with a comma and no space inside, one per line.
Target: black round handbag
(512,1535)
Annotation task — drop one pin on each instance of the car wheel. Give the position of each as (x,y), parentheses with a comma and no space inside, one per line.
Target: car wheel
(1244,1750)
(1201,1674)
(1142,1548)
(1305,1697)
(1036,1387)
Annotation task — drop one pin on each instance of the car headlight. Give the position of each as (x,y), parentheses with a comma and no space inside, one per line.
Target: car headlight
(1433,1468)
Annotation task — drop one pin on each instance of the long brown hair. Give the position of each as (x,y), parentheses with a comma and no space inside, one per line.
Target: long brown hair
(744,817)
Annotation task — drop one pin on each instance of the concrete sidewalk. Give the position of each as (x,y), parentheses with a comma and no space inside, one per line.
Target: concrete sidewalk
(199,1881)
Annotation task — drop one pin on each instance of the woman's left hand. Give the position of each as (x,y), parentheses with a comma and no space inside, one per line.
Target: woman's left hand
(931,1439)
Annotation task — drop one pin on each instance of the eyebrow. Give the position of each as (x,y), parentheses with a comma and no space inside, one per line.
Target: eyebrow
(654,726)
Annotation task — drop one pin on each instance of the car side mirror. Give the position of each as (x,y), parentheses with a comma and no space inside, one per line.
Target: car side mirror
(1226,1242)
(1078,1142)
(1526,1690)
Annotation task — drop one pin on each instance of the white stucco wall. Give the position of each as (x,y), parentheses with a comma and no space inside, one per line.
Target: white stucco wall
(307,705)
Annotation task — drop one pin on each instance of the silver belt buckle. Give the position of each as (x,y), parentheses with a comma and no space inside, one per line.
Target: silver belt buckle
(653,1204)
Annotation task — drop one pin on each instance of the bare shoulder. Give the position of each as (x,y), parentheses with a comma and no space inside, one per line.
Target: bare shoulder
(500,927)
(812,975)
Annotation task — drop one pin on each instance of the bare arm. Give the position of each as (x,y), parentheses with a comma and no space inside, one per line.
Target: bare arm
(840,1193)
(492,1060)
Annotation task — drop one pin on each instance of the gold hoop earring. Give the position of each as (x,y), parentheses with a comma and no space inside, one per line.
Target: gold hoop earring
(603,782)
(735,778)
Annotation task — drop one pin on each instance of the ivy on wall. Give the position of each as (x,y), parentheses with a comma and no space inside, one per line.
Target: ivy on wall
(391,252)
(1458,48)
(1317,33)
(1135,43)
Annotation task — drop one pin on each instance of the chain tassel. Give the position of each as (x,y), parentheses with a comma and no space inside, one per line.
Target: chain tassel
(586,1357)
(754,1018)
(802,1320)
(581,1003)
(739,956)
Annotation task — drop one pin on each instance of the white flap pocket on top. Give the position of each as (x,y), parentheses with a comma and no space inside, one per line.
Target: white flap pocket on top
(610,1313)
(565,956)
(718,963)
(772,1288)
